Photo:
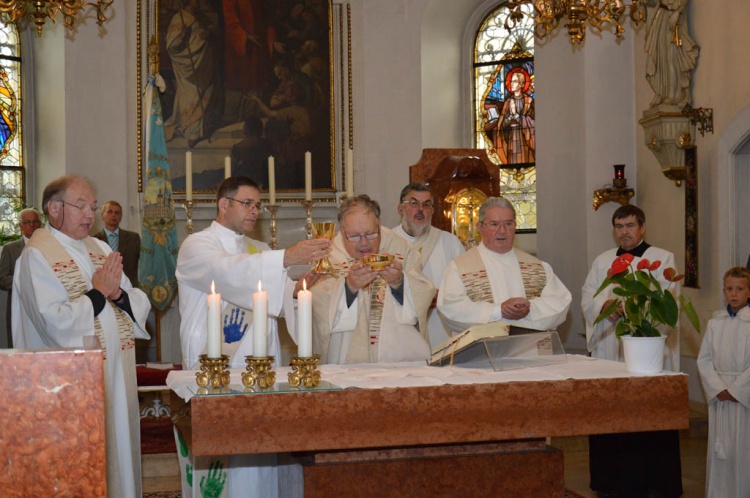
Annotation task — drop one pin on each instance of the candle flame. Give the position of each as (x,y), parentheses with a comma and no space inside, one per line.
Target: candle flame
(304,284)
(258,285)
(213,289)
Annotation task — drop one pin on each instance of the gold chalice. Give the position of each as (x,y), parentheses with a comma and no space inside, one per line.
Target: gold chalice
(324,229)
(378,261)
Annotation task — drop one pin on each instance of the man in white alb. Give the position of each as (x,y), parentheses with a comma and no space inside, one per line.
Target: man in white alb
(638,463)
(437,247)
(494,281)
(68,285)
(366,315)
(235,263)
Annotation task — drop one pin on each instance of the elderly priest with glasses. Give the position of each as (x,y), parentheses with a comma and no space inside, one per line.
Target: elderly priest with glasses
(69,285)
(376,312)
(495,281)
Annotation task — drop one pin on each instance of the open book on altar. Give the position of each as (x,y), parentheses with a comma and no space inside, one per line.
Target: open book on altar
(490,345)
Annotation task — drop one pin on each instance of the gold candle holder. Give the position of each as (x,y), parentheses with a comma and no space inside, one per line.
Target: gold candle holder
(188,206)
(259,370)
(308,205)
(274,209)
(305,371)
(213,371)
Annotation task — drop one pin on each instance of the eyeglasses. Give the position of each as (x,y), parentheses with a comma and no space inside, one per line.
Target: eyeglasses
(31,222)
(247,204)
(82,206)
(356,238)
(507,224)
(413,203)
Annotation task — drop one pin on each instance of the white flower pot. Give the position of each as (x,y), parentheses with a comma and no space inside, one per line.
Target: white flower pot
(643,355)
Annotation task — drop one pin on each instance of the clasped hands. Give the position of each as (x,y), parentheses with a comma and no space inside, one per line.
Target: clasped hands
(107,278)
(515,308)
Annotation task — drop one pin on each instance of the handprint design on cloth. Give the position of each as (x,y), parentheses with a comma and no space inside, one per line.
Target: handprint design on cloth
(234,326)
(213,485)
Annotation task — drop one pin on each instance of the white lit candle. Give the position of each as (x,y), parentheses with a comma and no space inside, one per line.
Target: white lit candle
(227,167)
(260,323)
(188,176)
(304,322)
(308,176)
(271,181)
(349,173)
(213,324)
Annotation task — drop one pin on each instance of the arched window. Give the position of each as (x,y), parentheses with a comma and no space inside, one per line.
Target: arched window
(504,118)
(12,193)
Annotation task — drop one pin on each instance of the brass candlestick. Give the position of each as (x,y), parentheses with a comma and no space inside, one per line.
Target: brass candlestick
(308,205)
(274,209)
(213,371)
(305,371)
(259,370)
(188,206)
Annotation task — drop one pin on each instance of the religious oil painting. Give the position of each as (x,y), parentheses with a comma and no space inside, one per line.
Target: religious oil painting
(246,79)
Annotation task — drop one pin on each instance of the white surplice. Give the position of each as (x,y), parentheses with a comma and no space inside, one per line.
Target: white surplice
(44,317)
(235,263)
(504,273)
(601,340)
(445,250)
(724,363)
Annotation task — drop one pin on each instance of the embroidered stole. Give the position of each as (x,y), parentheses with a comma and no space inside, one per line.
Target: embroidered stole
(71,277)
(426,243)
(477,283)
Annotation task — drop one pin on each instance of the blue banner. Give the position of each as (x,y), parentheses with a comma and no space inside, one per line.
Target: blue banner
(159,233)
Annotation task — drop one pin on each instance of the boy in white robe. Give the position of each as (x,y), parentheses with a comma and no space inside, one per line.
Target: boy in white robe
(724,366)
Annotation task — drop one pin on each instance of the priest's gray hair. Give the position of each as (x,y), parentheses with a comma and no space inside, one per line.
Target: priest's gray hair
(492,202)
(415,187)
(361,201)
(56,189)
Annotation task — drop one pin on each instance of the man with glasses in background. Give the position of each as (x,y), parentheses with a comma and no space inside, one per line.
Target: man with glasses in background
(29,221)
(437,247)
(370,315)
(68,286)
(497,282)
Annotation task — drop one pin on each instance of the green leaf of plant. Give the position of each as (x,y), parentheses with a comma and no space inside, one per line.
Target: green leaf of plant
(607,311)
(689,310)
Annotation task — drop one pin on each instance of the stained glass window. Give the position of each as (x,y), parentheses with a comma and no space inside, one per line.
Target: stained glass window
(11,160)
(504,107)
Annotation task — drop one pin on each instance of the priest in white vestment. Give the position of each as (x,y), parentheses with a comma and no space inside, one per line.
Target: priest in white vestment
(68,285)
(437,247)
(223,255)
(495,281)
(724,366)
(366,315)
(638,463)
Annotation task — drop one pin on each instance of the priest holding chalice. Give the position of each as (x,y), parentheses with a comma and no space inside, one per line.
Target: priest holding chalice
(373,307)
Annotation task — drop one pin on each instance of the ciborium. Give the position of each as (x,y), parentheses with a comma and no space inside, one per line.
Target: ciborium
(324,229)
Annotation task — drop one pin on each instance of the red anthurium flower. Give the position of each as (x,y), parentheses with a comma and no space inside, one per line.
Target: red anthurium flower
(619,265)
(643,264)
(671,275)
(654,266)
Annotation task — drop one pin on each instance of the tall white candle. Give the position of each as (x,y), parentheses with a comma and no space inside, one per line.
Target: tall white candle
(227,167)
(271,181)
(308,176)
(304,322)
(188,176)
(349,173)
(213,324)
(260,323)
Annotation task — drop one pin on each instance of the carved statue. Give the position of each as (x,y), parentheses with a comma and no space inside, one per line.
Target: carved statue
(671,52)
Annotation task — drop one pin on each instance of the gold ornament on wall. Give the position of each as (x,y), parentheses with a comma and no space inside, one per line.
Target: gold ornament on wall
(38,11)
